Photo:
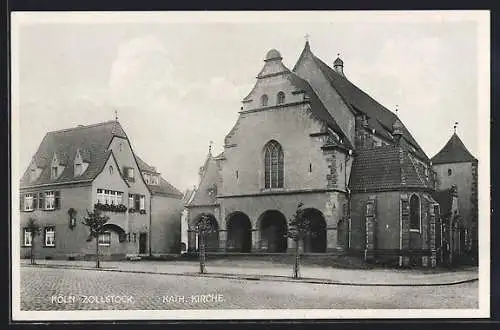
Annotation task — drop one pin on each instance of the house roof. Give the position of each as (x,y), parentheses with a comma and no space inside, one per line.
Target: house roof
(91,140)
(454,151)
(386,168)
(379,118)
(164,188)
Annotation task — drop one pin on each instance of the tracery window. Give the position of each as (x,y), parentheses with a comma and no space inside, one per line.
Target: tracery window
(280,98)
(273,165)
(415,213)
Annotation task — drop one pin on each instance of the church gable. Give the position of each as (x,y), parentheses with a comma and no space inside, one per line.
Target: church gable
(206,192)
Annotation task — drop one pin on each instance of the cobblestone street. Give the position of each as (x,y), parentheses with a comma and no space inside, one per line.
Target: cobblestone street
(78,289)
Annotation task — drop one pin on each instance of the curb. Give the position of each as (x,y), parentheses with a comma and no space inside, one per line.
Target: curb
(268,278)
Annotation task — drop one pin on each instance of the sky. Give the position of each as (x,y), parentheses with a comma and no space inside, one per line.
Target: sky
(178,84)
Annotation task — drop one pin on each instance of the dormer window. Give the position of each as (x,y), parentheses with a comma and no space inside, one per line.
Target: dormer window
(78,169)
(154,180)
(129,173)
(54,172)
(280,99)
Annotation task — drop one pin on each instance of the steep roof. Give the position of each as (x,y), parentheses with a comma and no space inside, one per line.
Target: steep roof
(317,107)
(386,168)
(206,192)
(92,141)
(379,118)
(164,188)
(454,151)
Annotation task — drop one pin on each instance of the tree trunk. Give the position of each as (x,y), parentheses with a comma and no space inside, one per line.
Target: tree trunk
(202,254)
(97,264)
(296,272)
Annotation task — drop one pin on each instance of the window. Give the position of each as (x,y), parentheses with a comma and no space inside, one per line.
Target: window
(137,204)
(130,173)
(105,239)
(273,165)
(415,213)
(130,201)
(50,236)
(54,172)
(263,100)
(449,171)
(106,196)
(280,99)
(49,200)
(78,169)
(112,197)
(143,202)
(28,202)
(100,196)
(147,178)
(110,169)
(154,180)
(27,237)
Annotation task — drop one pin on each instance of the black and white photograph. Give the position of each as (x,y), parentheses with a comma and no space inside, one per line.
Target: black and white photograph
(250,165)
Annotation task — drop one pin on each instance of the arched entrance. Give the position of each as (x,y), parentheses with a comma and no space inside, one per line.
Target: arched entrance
(272,227)
(212,239)
(239,232)
(315,242)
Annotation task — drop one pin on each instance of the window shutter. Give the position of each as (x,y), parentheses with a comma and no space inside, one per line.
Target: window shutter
(57,200)
(21,202)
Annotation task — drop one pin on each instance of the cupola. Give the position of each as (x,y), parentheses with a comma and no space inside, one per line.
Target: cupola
(397,130)
(338,65)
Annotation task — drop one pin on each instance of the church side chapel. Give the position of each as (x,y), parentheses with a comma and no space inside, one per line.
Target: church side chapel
(309,135)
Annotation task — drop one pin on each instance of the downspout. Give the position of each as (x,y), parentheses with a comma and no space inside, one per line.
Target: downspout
(150,223)
(348,157)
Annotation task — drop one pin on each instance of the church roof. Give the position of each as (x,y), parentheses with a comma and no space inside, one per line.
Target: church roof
(164,188)
(453,152)
(317,107)
(379,118)
(386,168)
(91,140)
(206,192)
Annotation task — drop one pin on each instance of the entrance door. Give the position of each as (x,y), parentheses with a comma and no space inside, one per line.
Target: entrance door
(143,239)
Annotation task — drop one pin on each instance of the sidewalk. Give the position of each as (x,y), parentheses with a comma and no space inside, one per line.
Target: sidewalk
(259,270)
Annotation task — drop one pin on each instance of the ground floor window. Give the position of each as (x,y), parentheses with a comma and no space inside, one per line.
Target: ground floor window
(27,237)
(50,236)
(105,239)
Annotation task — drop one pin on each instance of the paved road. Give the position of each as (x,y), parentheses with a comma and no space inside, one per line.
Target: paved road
(67,289)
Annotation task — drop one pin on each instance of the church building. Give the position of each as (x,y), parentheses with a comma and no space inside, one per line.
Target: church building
(308,135)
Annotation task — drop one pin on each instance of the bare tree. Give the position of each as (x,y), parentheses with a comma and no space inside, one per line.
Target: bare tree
(299,226)
(203,228)
(95,222)
(34,229)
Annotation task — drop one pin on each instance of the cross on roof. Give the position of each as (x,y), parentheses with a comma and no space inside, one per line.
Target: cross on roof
(307,36)
(116,115)
(455,127)
(397,109)
(210,147)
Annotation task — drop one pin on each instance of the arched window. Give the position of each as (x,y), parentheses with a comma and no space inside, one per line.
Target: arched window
(280,99)
(415,212)
(449,172)
(273,165)
(263,100)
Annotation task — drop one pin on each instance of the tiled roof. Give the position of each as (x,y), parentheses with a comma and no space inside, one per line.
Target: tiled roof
(91,140)
(206,193)
(317,107)
(164,187)
(453,152)
(379,118)
(385,168)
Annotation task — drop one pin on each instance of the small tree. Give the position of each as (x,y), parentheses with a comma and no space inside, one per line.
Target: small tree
(203,228)
(95,222)
(299,226)
(34,229)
